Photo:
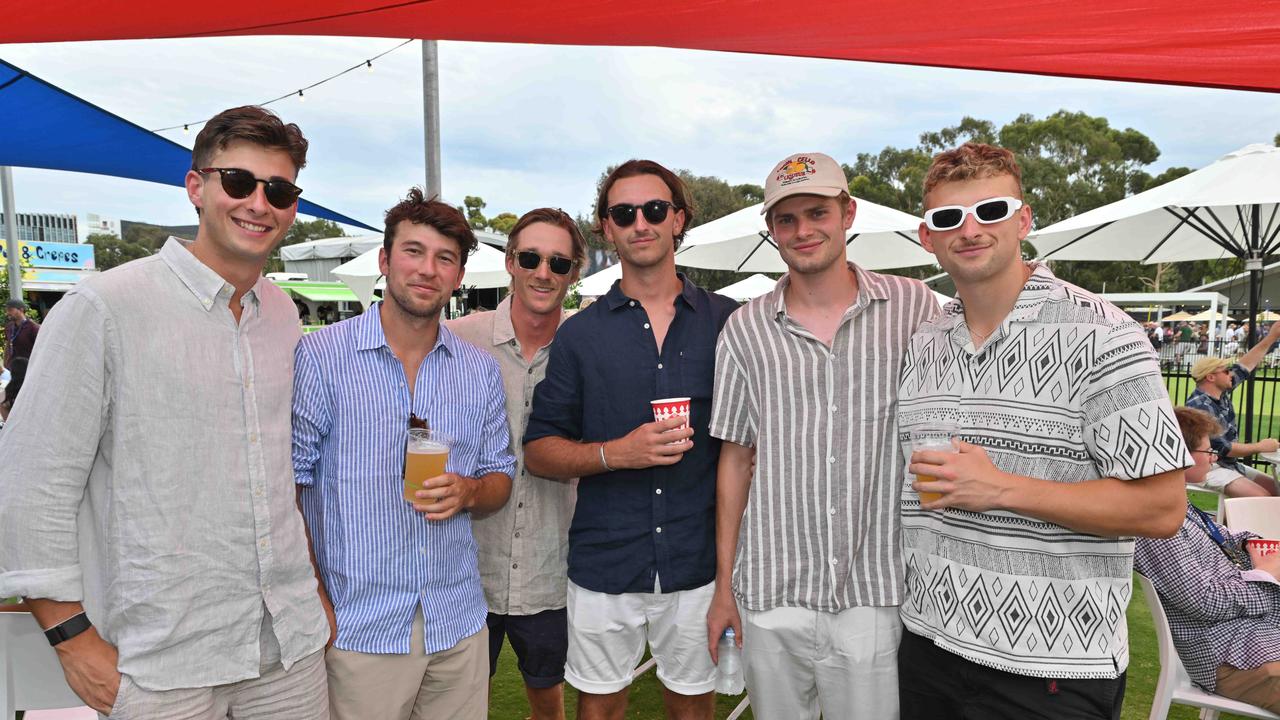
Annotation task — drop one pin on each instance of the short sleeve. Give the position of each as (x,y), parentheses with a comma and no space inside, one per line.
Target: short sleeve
(1129,426)
(732,409)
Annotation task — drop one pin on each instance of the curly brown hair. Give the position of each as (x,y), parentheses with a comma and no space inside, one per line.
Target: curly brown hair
(253,124)
(1196,424)
(440,216)
(971,161)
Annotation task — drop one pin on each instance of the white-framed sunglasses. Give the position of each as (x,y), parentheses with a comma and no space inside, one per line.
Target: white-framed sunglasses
(991,210)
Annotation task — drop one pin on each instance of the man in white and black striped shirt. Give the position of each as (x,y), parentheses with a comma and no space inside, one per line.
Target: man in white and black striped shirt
(807,376)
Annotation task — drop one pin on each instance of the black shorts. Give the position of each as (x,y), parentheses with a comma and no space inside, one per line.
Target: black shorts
(541,643)
(934,684)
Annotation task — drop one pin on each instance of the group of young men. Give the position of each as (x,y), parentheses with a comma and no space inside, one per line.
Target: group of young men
(151,522)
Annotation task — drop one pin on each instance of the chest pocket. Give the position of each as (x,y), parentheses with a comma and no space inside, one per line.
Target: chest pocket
(697,367)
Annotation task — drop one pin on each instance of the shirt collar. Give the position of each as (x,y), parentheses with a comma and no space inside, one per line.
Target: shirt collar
(370,336)
(504,331)
(870,287)
(615,298)
(1041,285)
(207,285)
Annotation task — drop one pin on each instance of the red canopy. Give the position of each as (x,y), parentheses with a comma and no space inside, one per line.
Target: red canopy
(1228,44)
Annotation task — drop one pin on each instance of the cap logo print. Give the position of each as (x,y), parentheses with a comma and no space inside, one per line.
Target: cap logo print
(798,169)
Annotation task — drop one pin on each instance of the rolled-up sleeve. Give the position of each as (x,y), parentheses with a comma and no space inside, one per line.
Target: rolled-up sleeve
(312,415)
(557,400)
(47,450)
(496,455)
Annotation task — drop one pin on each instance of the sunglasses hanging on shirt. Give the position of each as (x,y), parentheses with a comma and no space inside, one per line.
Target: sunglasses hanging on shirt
(240,184)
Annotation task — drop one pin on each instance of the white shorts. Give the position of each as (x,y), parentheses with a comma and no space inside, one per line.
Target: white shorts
(1220,477)
(608,634)
(801,664)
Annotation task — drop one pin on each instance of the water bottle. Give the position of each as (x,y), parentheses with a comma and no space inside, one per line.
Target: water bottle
(729,680)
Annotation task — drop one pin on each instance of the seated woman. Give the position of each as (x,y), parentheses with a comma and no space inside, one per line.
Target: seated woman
(1221,596)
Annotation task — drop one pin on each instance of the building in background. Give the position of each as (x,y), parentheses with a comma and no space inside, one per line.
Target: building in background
(44,227)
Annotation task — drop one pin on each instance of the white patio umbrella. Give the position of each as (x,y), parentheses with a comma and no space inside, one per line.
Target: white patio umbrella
(599,282)
(880,238)
(1226,208)
(486,268)
(1229,207)
(752,287)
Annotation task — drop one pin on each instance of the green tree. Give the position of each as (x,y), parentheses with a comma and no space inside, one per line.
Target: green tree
(110,251)
(303,231)
(474,211)
(148,236)
(503,222)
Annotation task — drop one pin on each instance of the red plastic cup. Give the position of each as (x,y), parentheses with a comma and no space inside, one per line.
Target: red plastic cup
(1264,547)
(671,407)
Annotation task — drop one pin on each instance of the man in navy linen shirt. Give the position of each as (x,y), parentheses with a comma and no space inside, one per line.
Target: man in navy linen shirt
(403,579)
(642,545)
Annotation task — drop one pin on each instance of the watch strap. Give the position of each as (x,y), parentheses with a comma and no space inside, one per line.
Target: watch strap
(68,628)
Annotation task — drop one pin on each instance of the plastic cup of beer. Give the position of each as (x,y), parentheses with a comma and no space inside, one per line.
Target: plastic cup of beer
(425,456)
(937,438)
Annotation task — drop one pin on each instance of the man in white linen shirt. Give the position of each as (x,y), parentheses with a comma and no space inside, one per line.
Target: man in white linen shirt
(149,514)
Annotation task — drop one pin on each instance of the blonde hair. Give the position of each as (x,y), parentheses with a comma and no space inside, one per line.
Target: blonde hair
(971,161)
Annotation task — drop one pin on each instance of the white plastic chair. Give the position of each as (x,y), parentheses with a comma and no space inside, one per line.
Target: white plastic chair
(1173,685)
(1257,514)
(30,675)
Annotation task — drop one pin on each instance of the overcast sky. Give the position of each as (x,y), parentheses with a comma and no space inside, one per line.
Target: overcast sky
(526,125)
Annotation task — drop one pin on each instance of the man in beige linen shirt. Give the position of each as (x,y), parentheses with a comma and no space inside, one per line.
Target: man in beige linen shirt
(523,546)
(149,514)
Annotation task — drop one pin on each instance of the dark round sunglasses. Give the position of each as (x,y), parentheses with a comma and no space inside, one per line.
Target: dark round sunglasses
(530,260)
(239,184)
(624,214)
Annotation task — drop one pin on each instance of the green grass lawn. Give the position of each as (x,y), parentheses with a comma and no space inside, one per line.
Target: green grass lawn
(507,701)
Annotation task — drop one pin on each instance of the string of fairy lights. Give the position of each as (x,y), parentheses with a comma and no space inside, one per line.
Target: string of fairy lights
(300,93)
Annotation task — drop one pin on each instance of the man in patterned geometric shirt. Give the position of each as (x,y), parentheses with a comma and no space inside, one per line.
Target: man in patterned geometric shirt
(1018,577)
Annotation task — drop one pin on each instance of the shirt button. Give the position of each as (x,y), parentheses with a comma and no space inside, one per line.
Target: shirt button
(632,303)
(526,403)
(658,530)
(646,326)
(253,437)
(263,544)
(833,408)
(257,492)
(831,459)
(658,491)
(530,371)
(659,366)
(831,511)
(515,566)
(518,534)
(834,561)
(519,505)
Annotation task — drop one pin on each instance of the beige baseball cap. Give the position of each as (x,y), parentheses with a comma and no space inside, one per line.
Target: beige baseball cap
(803,174)
(1204,366)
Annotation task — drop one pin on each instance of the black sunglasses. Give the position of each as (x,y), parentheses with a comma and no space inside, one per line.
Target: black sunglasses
(530,260)
(240,184)
(624,214)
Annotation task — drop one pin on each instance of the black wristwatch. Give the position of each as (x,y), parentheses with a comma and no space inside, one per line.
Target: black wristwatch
(68,628)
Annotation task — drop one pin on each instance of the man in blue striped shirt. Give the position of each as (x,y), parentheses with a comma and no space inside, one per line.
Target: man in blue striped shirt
(403,578)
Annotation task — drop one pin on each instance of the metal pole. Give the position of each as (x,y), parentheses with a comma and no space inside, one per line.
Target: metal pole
(431,114)
(1253,263)
(11,233)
